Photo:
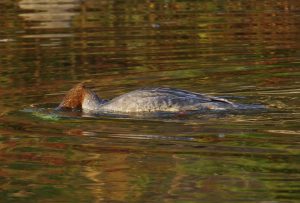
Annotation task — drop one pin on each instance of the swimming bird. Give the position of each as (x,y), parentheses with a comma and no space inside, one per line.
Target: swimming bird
(160,99)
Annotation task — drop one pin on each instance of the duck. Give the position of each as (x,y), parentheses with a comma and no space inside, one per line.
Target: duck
(145,100)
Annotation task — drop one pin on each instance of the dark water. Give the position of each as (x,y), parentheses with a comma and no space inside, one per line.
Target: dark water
(245,50)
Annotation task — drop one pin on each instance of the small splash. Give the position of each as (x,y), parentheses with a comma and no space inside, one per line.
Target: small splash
(42,111)
(49,117)
(48,112)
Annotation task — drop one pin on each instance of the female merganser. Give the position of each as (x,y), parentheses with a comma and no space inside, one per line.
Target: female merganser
(159,99)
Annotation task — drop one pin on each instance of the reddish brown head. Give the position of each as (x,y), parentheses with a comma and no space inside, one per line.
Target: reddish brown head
(74,98)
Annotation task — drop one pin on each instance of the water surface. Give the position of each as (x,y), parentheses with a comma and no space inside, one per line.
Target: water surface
(247,51)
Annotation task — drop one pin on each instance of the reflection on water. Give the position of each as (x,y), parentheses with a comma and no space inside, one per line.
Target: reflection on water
(49,14)
(244,50)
